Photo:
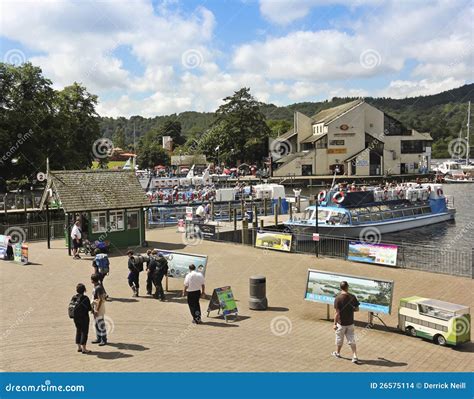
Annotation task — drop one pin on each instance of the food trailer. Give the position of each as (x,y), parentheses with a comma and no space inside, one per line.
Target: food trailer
(442,322)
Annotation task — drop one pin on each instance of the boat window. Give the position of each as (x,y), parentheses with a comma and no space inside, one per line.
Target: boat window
(323,214)
(417,211)
(377,216)
(397,214)
(408,212)
(365,217)
(426,209)
(387,215)
(454,166)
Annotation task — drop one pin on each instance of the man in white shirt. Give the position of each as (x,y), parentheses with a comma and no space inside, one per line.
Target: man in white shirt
(194,286)
(76,235)
(200,212)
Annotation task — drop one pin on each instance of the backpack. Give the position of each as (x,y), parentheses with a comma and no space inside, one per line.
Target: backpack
(73,305)
(102,262)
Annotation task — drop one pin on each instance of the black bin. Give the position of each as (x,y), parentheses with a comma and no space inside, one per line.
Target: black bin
(258,289)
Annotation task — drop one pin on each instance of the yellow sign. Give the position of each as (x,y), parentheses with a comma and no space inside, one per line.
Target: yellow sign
(270,240)
(337,150)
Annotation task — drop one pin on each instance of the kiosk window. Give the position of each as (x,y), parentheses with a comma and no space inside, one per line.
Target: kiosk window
(132,220)
(99,222)
(116,220)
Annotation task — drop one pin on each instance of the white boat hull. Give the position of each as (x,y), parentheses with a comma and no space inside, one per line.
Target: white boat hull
(304,232)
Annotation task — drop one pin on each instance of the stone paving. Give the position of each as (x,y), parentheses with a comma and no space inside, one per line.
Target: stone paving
(147,335)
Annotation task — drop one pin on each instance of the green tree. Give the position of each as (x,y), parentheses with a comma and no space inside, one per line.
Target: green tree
(119,138)
(240,129)
(153,154)
(278,127)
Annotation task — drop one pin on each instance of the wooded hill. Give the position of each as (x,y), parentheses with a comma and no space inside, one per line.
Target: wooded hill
(443,115)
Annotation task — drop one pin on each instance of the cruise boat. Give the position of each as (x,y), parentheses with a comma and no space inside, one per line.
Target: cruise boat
(450,168)
(374,211)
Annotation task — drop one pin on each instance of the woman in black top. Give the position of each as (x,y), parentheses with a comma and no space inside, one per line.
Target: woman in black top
(81,318)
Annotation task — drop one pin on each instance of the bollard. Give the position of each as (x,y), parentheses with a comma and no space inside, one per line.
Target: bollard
(234,211)
(261,224)
(258,299)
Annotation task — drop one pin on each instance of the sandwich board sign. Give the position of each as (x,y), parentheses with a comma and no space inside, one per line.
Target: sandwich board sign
(223,299)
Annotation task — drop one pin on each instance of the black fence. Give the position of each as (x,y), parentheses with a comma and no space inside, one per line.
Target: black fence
(33,231)
(456,262)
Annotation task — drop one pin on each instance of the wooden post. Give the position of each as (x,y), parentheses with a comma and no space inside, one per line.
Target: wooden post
(242,209)
(166,284)
(48,226)
(264,207)
(261,224)
(290,204)
(245,226)
(234,211)
(230,211)
(279,204)
(255,211)
(275,213)
(68,232)
(212,210)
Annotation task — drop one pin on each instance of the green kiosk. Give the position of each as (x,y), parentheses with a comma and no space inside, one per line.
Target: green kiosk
(109,203)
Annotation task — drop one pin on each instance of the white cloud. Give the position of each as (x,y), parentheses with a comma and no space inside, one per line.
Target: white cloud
(424,87)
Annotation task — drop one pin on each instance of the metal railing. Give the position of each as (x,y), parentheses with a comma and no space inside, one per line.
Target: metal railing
(34,231)
(456,262)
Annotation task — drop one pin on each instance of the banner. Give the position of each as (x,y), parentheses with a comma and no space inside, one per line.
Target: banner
(3,246)
(373,295)
(206,230)
(272,240)
(381,254)
(178,263)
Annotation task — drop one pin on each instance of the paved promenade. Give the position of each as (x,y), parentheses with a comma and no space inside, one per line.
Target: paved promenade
(147,335)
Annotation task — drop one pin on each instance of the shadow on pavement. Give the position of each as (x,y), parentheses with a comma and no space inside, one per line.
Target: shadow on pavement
(277,309)
(111,355)
(215,324)
(382,362)
(124,300)
(467,347)
(131,347)
(164,245)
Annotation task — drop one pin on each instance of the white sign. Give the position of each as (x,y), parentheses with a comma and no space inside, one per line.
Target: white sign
(189,213)
(315,236)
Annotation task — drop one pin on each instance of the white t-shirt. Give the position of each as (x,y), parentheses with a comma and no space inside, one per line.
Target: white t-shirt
(76,231)
(200,211)
(194,281)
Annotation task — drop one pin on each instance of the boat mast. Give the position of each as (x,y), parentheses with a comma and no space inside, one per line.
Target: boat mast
(467,135)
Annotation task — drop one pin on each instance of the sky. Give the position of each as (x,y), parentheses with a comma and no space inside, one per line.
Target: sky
(144,57)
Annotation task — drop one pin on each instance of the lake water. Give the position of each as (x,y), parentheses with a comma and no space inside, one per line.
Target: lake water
(452,235)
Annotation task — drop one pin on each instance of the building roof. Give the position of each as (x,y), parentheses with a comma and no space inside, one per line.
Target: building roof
(313,138)
(95,189)
(287,135)
(290,157)
(327,115)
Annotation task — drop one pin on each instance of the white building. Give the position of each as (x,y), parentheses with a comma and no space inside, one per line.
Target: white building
(357,139)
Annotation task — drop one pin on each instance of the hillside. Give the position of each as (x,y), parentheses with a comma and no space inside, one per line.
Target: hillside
(443,115)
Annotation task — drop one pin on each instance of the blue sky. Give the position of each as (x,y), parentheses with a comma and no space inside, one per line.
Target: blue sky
(160,57)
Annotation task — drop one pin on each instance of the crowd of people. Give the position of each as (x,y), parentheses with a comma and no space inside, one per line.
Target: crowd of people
(155,265)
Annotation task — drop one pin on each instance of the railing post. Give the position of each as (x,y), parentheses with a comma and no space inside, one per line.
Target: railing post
(230,211)
(264,207)
(234,211)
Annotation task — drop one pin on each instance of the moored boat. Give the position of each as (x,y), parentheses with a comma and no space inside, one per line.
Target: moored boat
(374,211)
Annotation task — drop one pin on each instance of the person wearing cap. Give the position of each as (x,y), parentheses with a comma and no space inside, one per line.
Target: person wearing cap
(194,287)
(161,271)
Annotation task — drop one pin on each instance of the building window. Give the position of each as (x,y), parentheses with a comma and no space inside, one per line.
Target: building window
(412,147)
(132,220)
(322,143)
(392,127)
(116,220)
(336,142)
(99,222)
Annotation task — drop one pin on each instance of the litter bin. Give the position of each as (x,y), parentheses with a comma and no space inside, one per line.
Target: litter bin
(249,215)
(258,287)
